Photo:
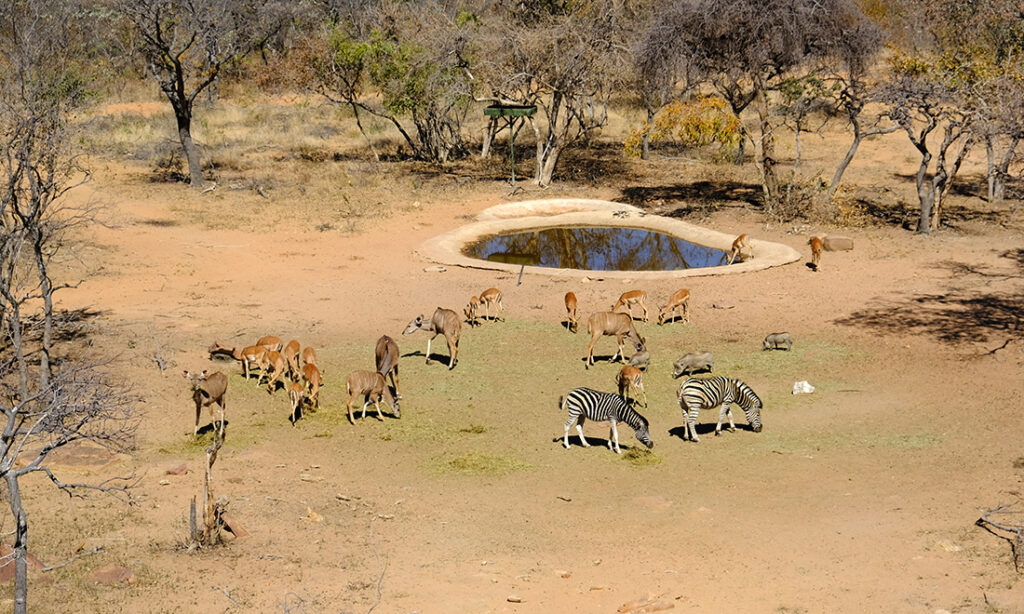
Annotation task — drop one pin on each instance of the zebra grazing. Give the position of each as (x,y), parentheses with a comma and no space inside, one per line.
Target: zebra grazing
(583,403)
(696,394)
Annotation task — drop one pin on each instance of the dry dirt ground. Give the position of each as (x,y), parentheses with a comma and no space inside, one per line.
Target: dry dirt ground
(860,497)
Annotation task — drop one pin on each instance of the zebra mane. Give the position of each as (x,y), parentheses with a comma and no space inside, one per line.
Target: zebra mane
(630,416)
(746,397)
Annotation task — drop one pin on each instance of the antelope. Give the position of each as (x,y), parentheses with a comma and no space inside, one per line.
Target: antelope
(296,395)
(314,379)
(570,311)
(372,386)
(291,356)
(816,247)
(681,298)
(271,343)
(737,248)
(443,322)
(628,299)
(492,296)
(251,357)
(274,367)
(308,356)
(472,311)
(207,389)
(610,323)
(386,355)
(630,379)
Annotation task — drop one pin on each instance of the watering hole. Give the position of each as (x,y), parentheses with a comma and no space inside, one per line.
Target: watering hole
(595,249)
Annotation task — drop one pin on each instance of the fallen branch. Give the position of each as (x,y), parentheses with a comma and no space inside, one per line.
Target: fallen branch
(69,561)
(1016,543)
(1005,343)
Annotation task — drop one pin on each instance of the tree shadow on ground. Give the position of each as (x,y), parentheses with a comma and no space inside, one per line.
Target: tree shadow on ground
(958,316)
(698,195)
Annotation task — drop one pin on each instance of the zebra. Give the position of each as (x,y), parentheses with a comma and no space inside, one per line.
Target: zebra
(695,394)
(583,403)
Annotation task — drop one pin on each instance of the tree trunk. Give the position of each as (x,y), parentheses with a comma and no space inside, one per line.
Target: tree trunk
(546,168)
(850,153)
(990,156)
(925,196)
(766,159)
(359,123)
(20,545)
(183,114)
(46,290)
(945,178)
(489,131)
(645,151)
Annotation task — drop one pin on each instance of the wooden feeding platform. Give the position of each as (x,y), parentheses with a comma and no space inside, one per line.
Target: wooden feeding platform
(512,113)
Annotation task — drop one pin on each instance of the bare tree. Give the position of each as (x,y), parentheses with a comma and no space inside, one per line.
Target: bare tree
(661,75)
(925,106)
(187,44)
(49,400)
(567,58)
(847,69)
(747,49)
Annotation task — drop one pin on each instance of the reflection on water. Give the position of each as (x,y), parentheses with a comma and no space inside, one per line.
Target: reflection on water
(596,249)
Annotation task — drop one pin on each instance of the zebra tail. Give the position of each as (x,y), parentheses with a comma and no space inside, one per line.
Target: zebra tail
(561,403)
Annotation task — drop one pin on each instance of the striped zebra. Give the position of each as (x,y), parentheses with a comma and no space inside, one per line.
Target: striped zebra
(584,403)
(695,394)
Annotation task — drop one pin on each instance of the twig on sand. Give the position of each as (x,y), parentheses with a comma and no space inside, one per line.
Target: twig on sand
(1016,543)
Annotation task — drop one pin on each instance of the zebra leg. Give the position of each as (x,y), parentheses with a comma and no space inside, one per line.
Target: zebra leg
(565,439)
(614,435)
(691,423)
(732,425)
(721,416)
(579,429)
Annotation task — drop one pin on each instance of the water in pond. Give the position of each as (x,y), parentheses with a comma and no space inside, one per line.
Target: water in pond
(596,249)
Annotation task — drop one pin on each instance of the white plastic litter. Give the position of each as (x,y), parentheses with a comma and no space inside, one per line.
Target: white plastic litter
(802,387)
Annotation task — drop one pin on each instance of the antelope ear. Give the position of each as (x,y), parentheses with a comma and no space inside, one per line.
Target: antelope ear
(184,373)
(205,372)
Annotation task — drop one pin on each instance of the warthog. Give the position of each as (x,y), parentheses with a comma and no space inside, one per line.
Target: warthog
(778,341)
(693,362)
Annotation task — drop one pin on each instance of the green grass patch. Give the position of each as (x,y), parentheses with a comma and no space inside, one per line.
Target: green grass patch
(477,463)
(642,457)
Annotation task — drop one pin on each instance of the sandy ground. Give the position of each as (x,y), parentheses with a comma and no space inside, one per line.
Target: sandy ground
(861,497)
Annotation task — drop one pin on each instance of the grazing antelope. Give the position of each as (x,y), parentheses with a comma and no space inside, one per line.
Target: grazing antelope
(628,299)
(492,296)
(308,356)
(314,379)
(371,385)
(816,247)
(291,356)
(681,298)
(630,379)
(609,323)
(207,389)
(297,397)
(443,322)
(386,354)
(570,311)
(251,357)
(737,248)
(274,367)
(472,311)
(271,343)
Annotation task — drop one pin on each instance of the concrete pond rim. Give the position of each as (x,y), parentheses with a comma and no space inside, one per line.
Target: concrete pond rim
(447,249)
